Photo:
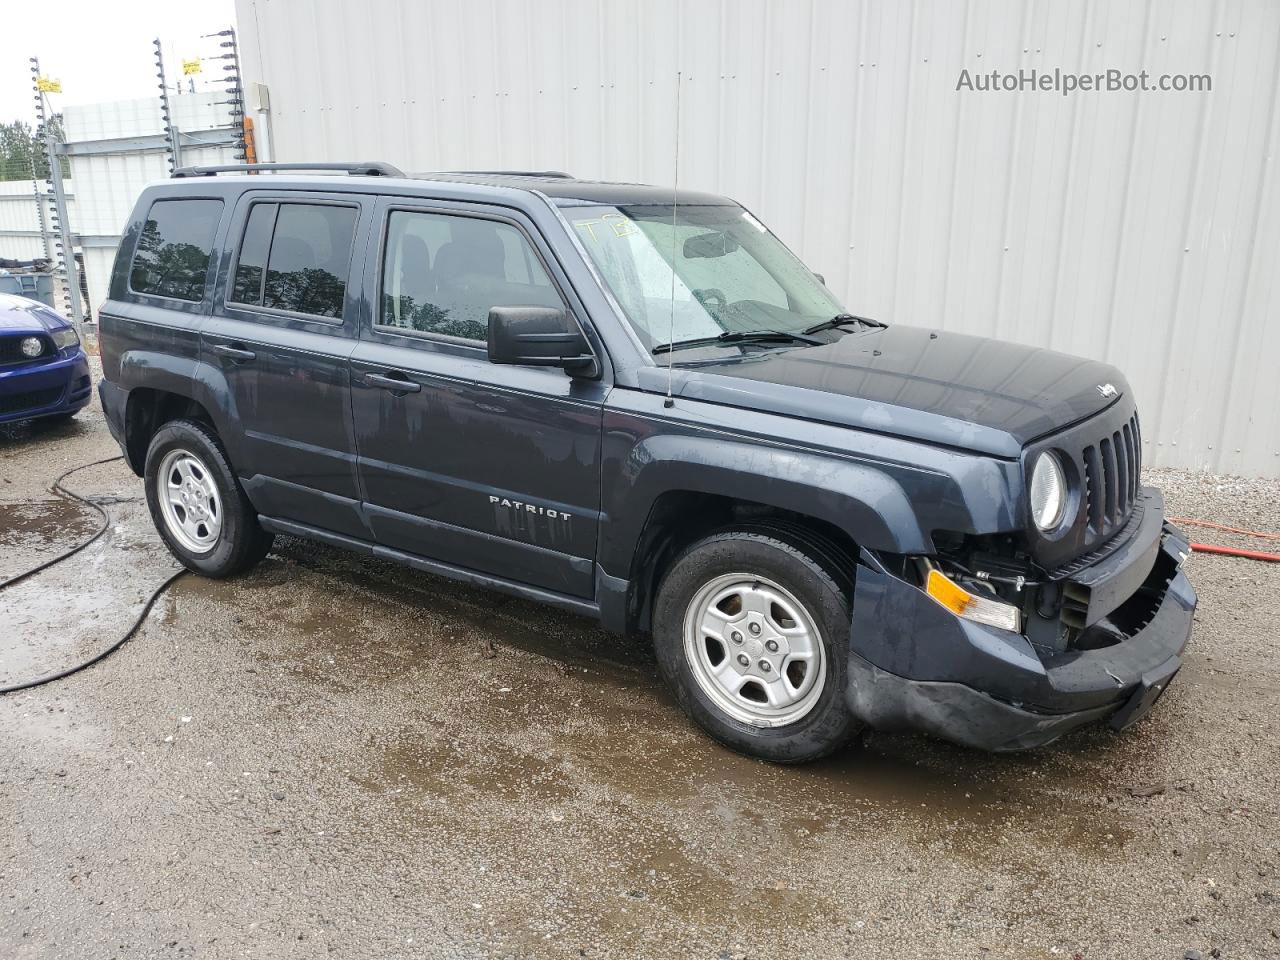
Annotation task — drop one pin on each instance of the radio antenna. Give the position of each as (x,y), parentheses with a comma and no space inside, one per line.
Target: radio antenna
(675,194)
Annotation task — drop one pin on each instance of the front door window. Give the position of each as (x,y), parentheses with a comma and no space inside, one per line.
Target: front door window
(442,274)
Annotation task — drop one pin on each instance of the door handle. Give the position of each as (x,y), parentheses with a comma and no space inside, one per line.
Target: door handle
(238,354)
(394,384)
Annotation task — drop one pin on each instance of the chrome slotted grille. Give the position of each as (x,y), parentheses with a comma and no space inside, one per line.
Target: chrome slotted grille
(1112,474)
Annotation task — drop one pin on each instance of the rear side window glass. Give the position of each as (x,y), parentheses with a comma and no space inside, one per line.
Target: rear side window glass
(306,251)
(441,274)
(172,256)
(251,268)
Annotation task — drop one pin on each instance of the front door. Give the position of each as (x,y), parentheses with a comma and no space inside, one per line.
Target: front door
(281,333)
(492,468)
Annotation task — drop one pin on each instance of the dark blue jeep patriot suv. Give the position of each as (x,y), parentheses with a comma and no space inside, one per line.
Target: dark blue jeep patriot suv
(636,404)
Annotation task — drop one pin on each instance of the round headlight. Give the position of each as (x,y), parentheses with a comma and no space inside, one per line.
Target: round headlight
(31,347)
(1048,492)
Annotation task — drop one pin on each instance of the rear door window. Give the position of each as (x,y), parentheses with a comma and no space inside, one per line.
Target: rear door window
(296,257)
(172,256)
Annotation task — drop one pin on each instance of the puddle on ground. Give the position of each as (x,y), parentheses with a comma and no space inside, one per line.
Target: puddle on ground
(40,527)
(347,618)
(500,773)
(77,606)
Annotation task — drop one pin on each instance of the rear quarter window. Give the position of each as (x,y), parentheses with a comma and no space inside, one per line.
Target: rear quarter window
(172,256)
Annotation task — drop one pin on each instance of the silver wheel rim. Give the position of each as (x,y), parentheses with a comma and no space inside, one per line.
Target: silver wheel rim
(754,649)
(189,501)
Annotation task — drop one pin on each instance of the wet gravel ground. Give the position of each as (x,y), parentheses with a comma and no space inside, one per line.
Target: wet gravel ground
(334,756)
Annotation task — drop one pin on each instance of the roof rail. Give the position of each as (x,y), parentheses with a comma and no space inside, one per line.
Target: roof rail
(373,168)
(550,174)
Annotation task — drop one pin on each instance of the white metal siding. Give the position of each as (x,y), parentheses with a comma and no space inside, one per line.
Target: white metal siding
(20,218)
(108,183)
(1142,228)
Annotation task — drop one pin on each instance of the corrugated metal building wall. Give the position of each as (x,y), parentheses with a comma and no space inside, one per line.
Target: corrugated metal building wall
(116,149)
(20,236)
(20,218)
(1143,228)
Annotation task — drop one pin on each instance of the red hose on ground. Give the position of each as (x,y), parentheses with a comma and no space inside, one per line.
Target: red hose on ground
(1233,552)
(1219,526)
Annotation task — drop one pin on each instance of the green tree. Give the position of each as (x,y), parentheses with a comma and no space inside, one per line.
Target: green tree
(19,145)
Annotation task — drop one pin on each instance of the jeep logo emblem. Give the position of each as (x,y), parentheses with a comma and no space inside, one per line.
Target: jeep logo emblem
(1108,390)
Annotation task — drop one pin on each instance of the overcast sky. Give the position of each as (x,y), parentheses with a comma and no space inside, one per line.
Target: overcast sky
(101,49)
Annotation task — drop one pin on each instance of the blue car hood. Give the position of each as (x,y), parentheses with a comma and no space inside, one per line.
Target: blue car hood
(23,315)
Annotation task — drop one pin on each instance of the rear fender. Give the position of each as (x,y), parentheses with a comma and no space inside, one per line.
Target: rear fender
(185,377)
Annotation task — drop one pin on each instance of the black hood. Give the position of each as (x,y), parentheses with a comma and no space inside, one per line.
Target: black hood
(986,395)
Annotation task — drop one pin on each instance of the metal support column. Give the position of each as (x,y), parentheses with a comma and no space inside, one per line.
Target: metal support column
(171,133)
(65,259)
(235,91)
(71,269)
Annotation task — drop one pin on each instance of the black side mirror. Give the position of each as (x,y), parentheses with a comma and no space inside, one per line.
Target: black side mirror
(539,337)
(709,245)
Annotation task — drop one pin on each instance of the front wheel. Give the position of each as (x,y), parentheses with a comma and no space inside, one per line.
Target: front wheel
(197,503)
(752,632)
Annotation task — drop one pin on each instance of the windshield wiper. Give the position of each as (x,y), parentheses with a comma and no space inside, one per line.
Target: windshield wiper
(742,336)
(843,320)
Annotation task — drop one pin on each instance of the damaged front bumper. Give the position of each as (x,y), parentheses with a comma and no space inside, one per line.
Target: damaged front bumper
(914,665)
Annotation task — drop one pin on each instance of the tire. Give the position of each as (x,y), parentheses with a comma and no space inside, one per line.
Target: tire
(208,524)
(726,581)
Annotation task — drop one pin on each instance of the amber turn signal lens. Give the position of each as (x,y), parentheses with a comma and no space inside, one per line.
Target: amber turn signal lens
(962,603)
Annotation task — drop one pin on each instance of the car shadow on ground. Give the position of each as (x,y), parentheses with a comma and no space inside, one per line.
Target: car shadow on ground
(25,433)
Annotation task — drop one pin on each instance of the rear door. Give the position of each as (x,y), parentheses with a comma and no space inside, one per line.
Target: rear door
(282,331)
(492,468)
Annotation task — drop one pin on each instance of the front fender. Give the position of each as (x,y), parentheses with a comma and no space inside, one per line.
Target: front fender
(886,493)
(866,503)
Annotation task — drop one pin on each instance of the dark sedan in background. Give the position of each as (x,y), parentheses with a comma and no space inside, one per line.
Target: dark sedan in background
(43,368)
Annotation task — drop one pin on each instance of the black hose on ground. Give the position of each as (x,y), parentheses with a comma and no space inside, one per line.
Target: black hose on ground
(102,654)
(57,488)
(66,494)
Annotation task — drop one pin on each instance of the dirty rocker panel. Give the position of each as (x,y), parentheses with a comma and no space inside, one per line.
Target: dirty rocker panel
(576,605)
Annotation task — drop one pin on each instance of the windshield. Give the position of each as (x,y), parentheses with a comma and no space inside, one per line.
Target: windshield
(731,274)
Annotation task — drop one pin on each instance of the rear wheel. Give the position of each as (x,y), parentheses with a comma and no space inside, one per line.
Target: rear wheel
(198,505)
(752,632)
